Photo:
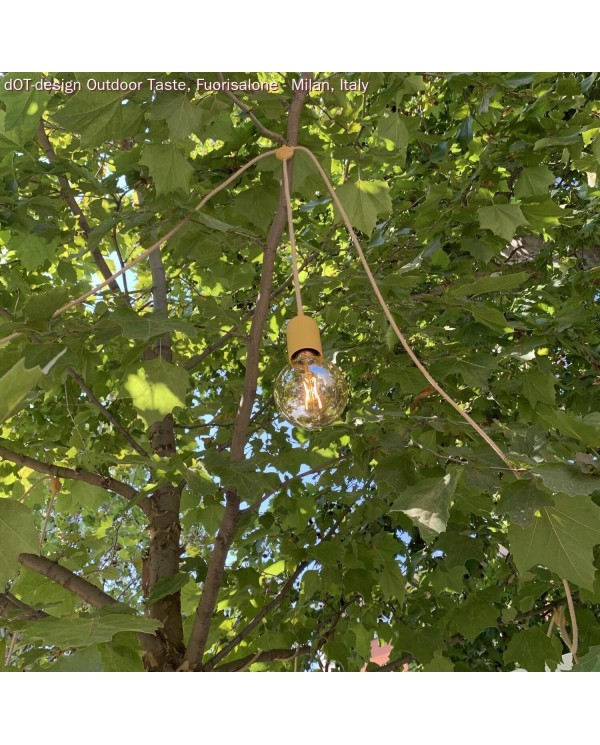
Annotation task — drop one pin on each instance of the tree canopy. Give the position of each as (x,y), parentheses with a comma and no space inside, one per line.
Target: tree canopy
(156,512)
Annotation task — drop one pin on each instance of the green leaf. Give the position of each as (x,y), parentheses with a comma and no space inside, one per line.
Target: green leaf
(80,495)
(17,536)
(569,138)
(534,181)
(472,617)
(41,306)
(541,215)
(520,78)
(182,117)
(478,249)
(359,580)
(392,582)
(561,537)
(521,500)
(327,552)
(538,387)
(32,252)
(393,130)
(24,108)
(169,168)
(311,583)
(258,204)
(596,148)
(168,586)
(363,202)
(532,650)
(122,654)
(502,219)
(569,425)
(18,381)
(209,517)
(428,503)
(87,660)
(459,548)
(439,664)
(566,479)
(82,632)
(96,117)
(590,662)
(40,592)
(15,385)
(145,327)
(497,283)
(276,568)
(156,388)
(464,135)
(422,643)
(490,317)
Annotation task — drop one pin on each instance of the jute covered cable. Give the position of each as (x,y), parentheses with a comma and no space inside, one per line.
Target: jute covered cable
(285,156)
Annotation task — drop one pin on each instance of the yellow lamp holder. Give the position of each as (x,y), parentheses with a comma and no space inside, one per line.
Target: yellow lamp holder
(303,333)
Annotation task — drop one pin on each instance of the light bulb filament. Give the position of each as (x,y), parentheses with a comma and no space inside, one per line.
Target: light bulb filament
(312,399)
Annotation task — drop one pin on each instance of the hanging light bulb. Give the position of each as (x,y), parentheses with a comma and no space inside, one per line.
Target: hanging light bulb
(309,392)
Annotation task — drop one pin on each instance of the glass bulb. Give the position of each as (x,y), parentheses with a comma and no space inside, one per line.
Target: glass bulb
(310,392)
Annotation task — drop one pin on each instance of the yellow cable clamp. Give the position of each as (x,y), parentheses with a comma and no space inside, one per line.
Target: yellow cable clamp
(285,152)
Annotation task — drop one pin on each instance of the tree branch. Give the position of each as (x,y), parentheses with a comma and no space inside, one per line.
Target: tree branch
(268,655)
(77,474)
(229,523)
(91,594)
(539,611)
(274,136)
(13,608)
(264,611)
(76,210)
(394,664)
(107,414)
(213,581)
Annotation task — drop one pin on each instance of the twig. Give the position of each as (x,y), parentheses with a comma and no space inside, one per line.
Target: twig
(539,611)
(264,611)
(298,477)
(18,609)
(107,414)
(274,136)
(32,487)
(268,655)
(115,242)
(78,474)
(76,210)
(55,486)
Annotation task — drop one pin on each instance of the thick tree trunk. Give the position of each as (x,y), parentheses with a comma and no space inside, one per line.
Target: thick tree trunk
(164,527)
